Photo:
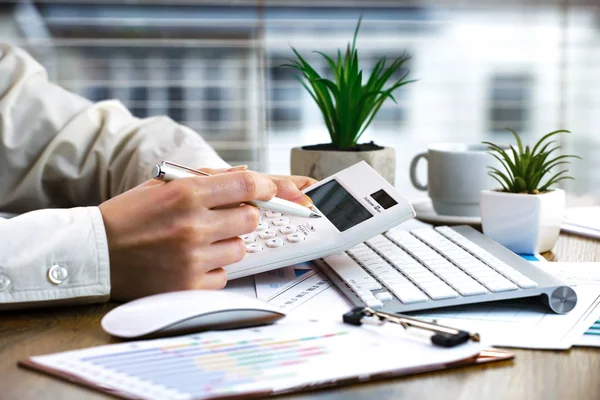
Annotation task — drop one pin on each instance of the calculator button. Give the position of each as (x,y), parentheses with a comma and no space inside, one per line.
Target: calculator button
(308,225)
(262,226)
(281,221)
(287,229)
(295,237)
(272,214)
(268,234)
(275,242)
(253,247)
(248,239)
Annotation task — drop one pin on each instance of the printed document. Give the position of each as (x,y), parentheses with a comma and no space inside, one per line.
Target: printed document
(526,323)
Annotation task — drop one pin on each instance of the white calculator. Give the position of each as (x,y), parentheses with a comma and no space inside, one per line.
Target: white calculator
(356,203)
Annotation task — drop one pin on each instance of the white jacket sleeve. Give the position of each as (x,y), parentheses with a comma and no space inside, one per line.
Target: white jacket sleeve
(58,151)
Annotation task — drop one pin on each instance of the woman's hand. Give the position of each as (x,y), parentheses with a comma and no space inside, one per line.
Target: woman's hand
(178,235)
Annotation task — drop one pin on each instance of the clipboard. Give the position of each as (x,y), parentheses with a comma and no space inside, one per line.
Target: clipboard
(256,362)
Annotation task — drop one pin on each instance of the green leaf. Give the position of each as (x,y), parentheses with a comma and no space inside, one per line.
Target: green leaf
(503,154)
(518,139)
(506,167)
(548,135)
(501,176)
(556,178)
(506,189)
(332,66)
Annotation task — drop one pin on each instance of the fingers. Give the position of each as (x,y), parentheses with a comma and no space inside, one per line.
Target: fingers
(213,171)
(212,280)
(301,182)
(288,189)
(219,254)
(234,187)
(230,222)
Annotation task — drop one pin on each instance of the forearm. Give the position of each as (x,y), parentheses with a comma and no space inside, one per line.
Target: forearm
(59,150)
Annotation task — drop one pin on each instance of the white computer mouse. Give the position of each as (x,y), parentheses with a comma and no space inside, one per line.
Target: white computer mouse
(188,311)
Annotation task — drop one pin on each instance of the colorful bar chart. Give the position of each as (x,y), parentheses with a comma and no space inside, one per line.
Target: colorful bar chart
(202,367)
(594,329)
(205,366)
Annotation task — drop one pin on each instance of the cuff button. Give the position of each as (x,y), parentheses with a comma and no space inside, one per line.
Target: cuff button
(57,274)
(4,282)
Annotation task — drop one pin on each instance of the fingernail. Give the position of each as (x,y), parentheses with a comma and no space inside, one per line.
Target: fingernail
(237,168)
(302,199)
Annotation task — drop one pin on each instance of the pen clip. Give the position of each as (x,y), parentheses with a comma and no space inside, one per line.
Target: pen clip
(192,170)
(166,170)
(443,336)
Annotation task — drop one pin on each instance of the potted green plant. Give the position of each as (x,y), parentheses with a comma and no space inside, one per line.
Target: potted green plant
(526,213)
(348,104)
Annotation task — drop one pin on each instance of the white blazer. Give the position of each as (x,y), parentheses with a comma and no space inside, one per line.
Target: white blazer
(61,156)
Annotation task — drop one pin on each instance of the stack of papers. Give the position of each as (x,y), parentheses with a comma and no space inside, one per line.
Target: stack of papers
(527,323)
(583,221)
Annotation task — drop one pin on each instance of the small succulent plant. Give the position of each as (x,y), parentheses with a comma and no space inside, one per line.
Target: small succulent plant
(348,105)
(529,170)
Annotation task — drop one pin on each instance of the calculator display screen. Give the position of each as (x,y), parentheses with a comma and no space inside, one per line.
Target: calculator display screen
(339,206)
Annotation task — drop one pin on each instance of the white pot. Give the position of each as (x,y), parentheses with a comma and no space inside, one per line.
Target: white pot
(320,164)
(524,223)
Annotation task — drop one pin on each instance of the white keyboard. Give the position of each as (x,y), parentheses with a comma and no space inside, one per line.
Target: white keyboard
(401,271)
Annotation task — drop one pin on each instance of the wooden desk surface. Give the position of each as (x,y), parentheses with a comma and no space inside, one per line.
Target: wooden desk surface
(533,374)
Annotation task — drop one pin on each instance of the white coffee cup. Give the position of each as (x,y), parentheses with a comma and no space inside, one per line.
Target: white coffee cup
(456,173)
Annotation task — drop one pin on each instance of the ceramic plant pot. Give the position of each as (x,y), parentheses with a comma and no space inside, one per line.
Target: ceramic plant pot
(524,223)
(319,164)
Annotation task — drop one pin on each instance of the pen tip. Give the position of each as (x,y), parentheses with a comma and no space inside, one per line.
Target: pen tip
(315,215)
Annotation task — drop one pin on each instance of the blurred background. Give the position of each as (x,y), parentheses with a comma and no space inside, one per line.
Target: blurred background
(482,66)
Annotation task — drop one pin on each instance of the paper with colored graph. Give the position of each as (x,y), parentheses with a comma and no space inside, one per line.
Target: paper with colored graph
(266,360)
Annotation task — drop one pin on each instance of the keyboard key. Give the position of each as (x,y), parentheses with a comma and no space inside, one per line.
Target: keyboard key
(440,292)
(351,272)
(408,293)
(384,296)
(272,214)
(471,290)
(374,303)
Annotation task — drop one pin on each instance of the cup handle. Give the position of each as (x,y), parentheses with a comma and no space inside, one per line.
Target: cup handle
(413,172)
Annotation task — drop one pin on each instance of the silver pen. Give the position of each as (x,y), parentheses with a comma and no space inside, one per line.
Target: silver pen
(168,171)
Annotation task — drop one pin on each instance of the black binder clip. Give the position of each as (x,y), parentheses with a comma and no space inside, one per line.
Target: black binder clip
(442,335)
